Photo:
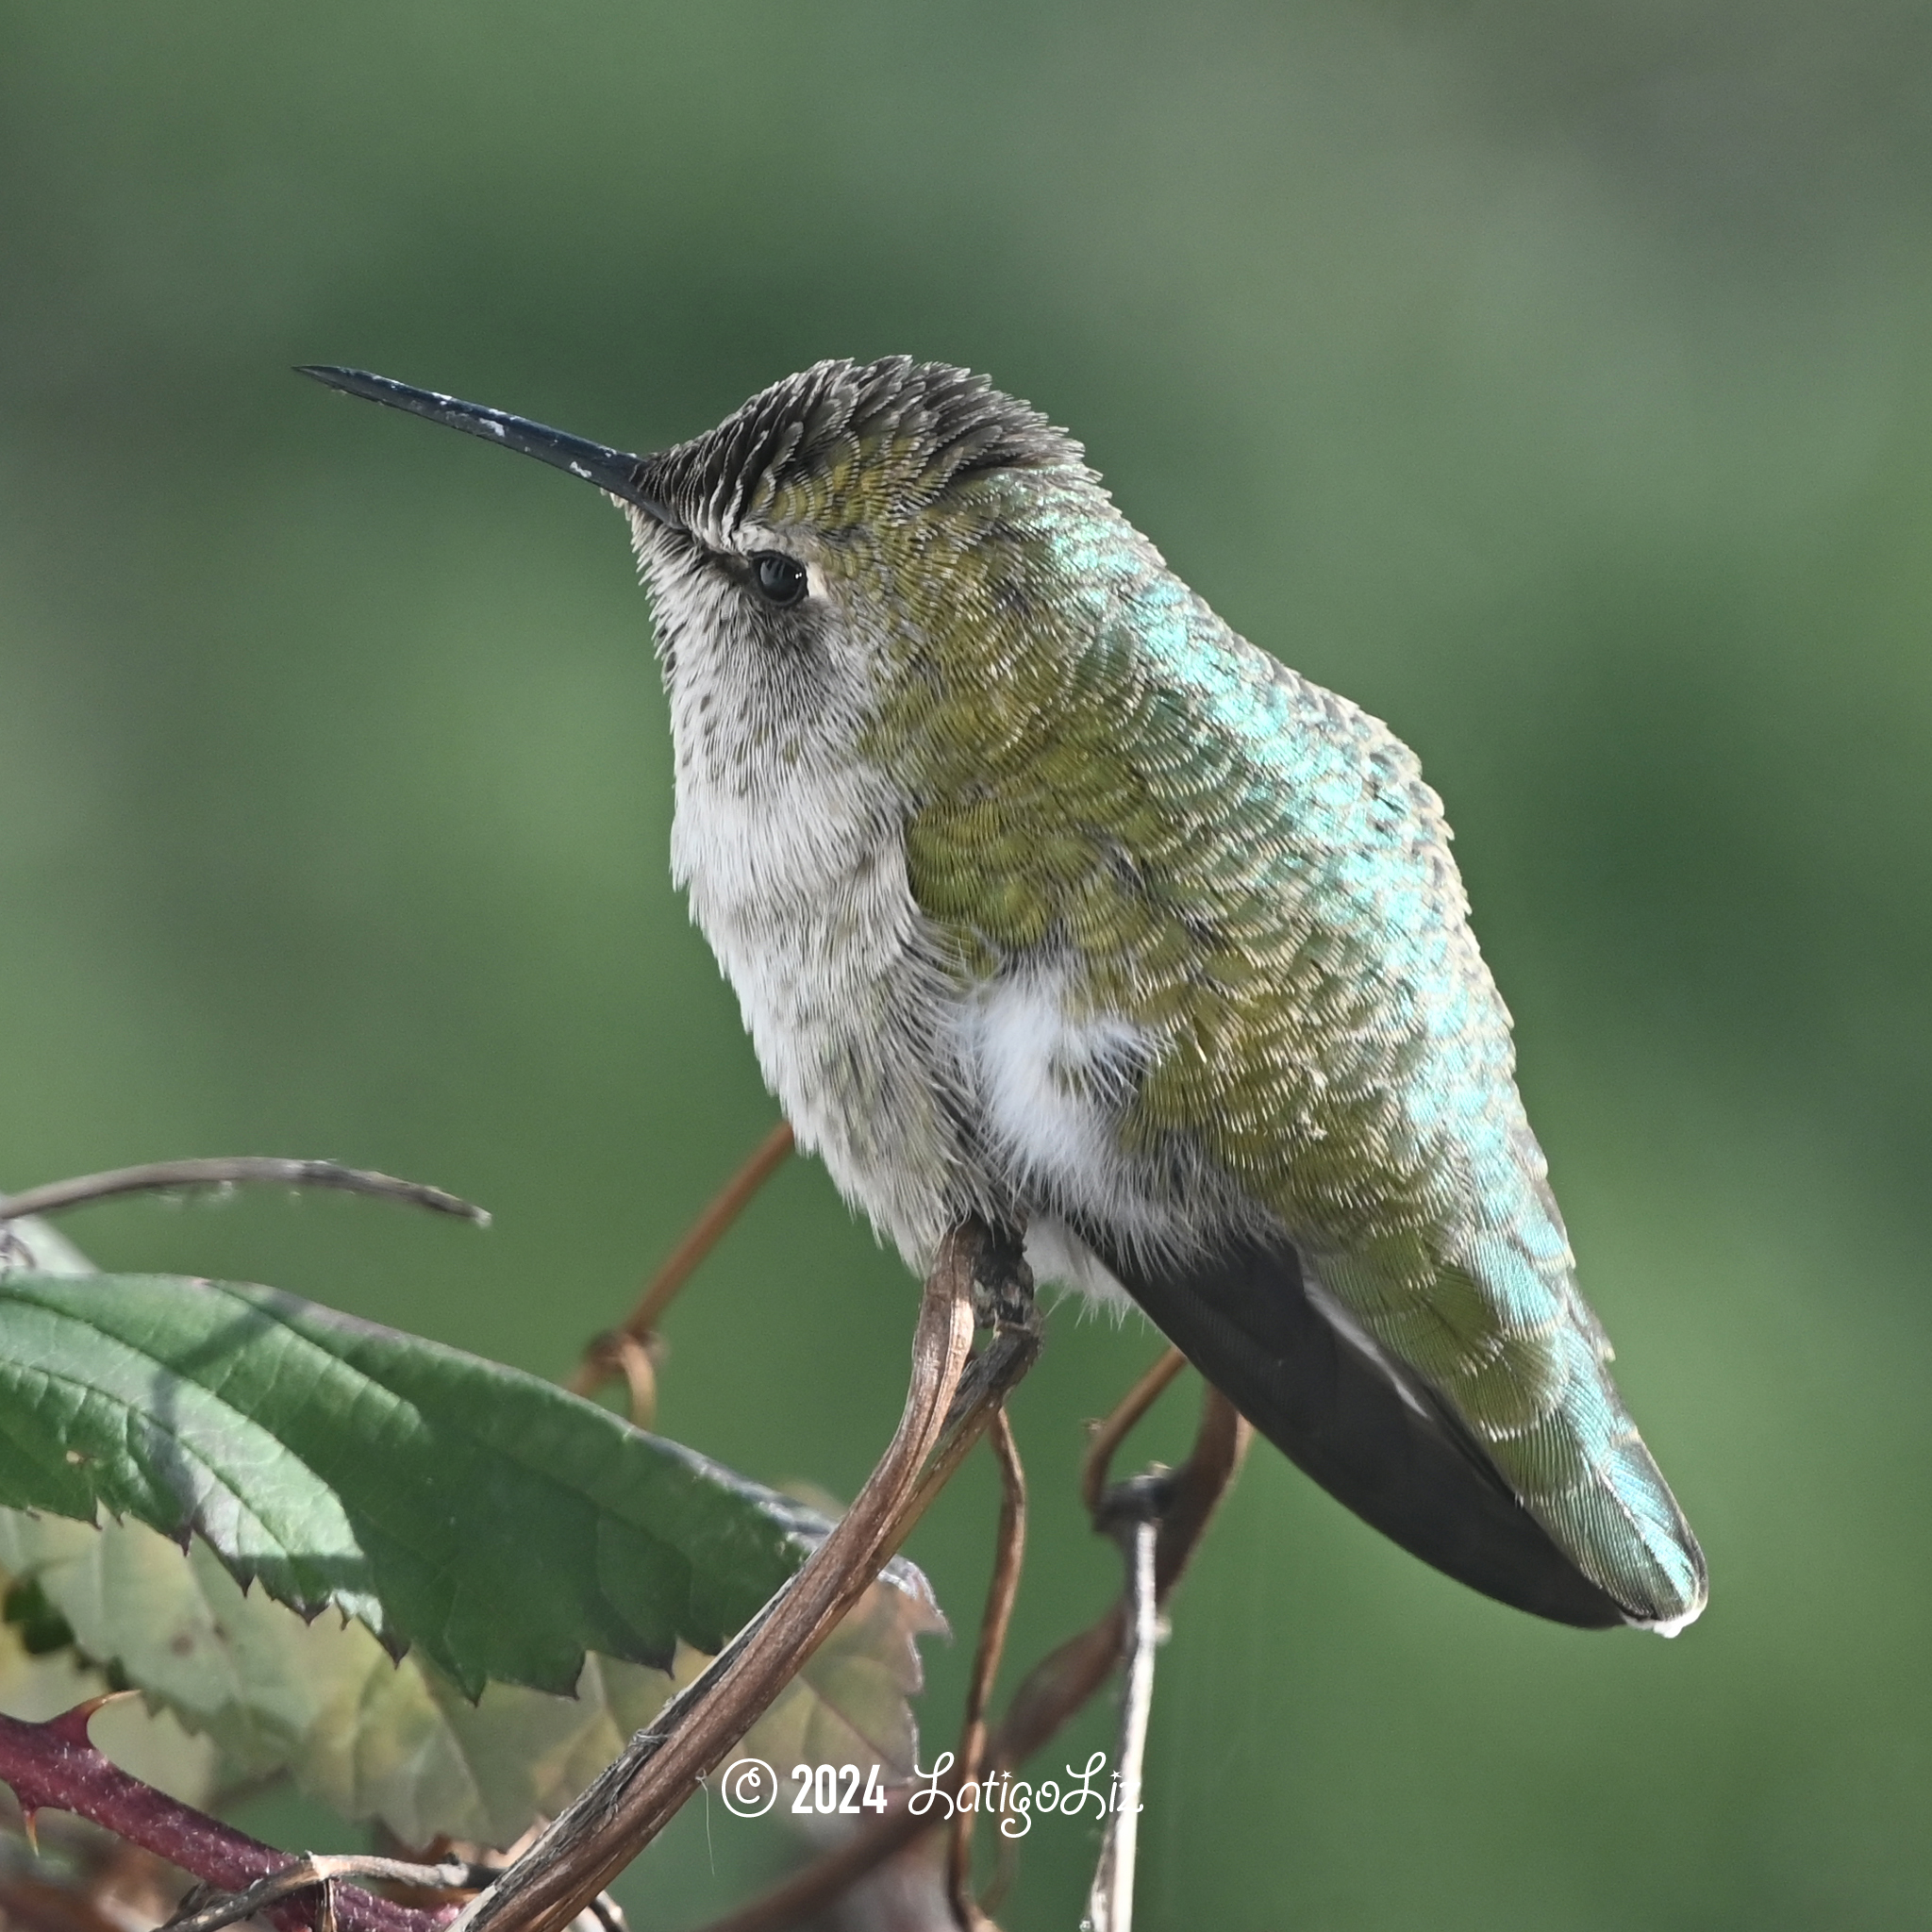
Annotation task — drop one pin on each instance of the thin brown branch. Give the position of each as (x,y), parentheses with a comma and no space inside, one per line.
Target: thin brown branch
(1063,1680)
(621,1353)
(1108,1435)
(599,1361)
(53,1765)
(989,1377)
(611,1821)
(1220,1446)
(1052,1691)
(170,1177)
(1009,1555)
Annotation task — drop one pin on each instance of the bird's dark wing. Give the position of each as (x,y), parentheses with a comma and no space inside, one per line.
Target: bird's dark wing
(1388,1449)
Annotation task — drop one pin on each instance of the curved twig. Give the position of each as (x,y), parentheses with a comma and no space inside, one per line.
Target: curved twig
(983,1389)
(606,1355)
(631,1801)
(1108,1435)
(1053,1691)
(163,1177)
(1001,1593)
(620,1353)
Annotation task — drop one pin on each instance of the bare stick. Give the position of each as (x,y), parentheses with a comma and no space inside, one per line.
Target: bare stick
(326,1869)
(1009,1553)
(1062,1681)
(599,1361)
(1052,1691)
(979,1393)
(163,1177)
(1135,1510)
(611,1821)
(1110,1434)
(54,1766)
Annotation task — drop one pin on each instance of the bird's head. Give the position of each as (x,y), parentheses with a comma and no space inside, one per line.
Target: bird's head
(861,556)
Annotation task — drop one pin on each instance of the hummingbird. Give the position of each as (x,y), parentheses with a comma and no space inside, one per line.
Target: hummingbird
(1049,900)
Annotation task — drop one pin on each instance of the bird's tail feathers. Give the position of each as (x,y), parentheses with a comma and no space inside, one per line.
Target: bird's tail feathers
(1568,1519)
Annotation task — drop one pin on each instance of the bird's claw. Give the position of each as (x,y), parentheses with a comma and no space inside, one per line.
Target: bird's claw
(1002,1281)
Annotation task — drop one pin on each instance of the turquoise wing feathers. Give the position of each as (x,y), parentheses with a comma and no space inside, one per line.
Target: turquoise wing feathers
(1251,871)
(1396,1152)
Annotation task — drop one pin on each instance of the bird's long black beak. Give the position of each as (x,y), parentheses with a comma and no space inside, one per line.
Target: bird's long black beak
(609,469)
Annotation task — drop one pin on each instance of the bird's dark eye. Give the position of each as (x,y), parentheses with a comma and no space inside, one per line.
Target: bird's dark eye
(780,578)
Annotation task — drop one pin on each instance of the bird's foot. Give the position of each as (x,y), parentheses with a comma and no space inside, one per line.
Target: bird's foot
(1002,1281)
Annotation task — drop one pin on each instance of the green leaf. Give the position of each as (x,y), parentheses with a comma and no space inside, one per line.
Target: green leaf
(499,1525)
(399,1742)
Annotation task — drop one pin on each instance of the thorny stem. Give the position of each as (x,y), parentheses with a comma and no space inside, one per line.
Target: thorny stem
(605,1355)
(1055,1688)
(1009,1553)
(625,1806)
(53,1765)
(163,1177)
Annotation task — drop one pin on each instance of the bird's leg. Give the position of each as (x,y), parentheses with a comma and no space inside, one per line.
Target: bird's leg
(1002,1281)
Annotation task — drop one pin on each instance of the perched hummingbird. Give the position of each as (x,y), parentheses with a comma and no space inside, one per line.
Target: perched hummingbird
(1048,899)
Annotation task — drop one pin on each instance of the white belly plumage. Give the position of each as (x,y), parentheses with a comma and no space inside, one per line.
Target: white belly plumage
(906,1088)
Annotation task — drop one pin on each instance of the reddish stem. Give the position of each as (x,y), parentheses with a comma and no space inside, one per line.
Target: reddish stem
(52,1767)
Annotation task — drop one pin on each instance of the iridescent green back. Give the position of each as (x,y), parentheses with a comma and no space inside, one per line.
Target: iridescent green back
(1254,871)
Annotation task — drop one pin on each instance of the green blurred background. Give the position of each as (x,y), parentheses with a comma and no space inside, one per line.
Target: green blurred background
(1552,380)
